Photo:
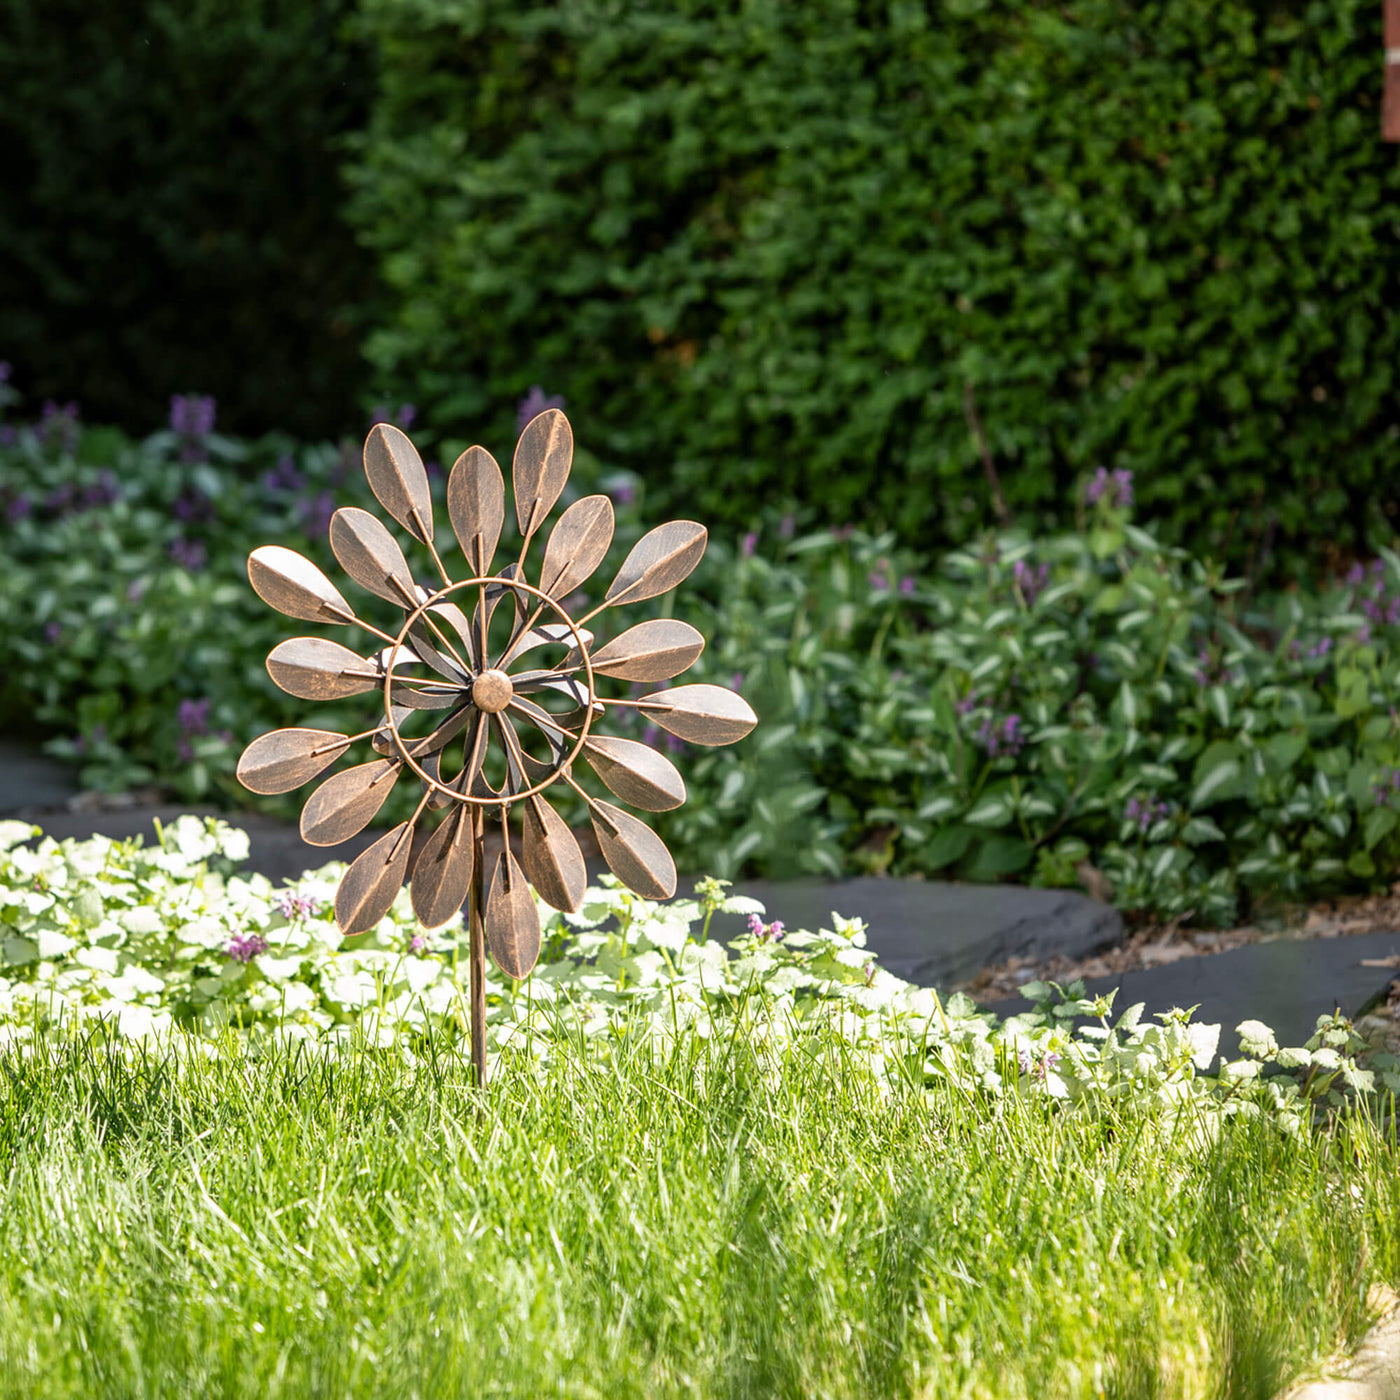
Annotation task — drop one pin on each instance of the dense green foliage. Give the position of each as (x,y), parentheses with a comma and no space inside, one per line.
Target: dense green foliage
(762,249)
(1011,710)
(172,219)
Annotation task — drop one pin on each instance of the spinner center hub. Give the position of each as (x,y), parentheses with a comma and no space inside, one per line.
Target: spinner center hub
(492,691)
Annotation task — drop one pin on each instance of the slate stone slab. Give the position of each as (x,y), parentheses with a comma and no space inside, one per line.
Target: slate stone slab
(1287,984)
(29,780)
(934,933)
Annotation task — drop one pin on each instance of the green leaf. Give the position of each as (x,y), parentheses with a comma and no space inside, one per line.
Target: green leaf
(999,855)
(1217,775)
(946,846)
(1379,823)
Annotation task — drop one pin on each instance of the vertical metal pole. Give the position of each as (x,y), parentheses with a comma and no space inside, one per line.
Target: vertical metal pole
(1390,100)
(475,900)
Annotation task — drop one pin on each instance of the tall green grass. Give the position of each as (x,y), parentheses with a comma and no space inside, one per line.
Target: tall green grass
(709,1222)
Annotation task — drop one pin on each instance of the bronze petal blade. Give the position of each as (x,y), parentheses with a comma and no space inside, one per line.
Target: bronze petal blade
(476,505)
(399,479)
(371,556)
(313,668)
(544,634)
(287,758)
(347,802)
(577,545)
(700,714)
(540,467)
(292,584)
(512,920)
(442,873)
(633,851)
(551,857)
(661,559)
(650,651)
(636,773)
(368,888)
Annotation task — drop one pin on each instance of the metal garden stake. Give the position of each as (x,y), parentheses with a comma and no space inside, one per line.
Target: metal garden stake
(460,694)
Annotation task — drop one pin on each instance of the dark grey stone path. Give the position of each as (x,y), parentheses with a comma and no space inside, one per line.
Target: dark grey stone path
(934,933)
(31,781)
(1287,984)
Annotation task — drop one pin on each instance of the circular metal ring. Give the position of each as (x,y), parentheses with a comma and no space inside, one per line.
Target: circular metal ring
(436,784)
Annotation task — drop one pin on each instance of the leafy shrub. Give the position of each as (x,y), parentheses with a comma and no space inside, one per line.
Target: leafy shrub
(1014,710)
(173,211)
(764,249)
(158,939)
(1034,704)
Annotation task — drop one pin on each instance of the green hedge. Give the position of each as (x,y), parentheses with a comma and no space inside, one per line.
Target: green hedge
(763,247)
(173,212)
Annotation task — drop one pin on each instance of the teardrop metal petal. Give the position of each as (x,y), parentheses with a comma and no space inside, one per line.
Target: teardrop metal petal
(399,479)
(577,545)
(512,921)
(638,774)
(551,856)
(442,872)
(476,505)
(544,634)
(313,668)
(368,888)
(347,802)
(700,714)
(661,559)
(650,651)
(633,851)
(287,758)
(541,467)
(371,556)
(292,584)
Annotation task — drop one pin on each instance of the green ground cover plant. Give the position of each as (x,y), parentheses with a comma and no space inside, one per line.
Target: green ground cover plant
(697,1173)
(1014,709)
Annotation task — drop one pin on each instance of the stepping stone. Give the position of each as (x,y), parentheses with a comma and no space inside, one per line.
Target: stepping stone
(931,932)
(31,781)
(1287,984)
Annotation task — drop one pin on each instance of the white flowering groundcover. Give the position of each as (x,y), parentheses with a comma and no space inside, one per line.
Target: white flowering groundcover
(162,942)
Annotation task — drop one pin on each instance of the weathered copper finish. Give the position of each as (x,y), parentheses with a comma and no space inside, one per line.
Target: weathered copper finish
(444,668)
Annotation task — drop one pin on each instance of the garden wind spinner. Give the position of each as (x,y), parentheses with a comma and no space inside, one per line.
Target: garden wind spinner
(489,695)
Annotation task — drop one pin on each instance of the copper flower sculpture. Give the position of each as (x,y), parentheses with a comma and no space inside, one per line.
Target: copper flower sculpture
(508,690)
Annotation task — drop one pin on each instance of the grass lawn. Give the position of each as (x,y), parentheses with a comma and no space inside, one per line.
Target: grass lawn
(368,1225)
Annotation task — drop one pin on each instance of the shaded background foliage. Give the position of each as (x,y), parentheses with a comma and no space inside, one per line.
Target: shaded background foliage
(760,248)
(178,222)
(1158,236)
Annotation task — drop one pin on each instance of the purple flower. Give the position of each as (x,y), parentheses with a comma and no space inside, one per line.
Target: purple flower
(292,905)
(316,512)
(192,415)
(736,680)
(102,492)
(907,585)
(1145,813)
(8,436)
(748,544)
(1319,649)
(194,716)
(842,532)
(417,943)
(284,477)
(135,591)
(1001,736)
(52,631)
(60,423)
(1115,487)
(1387,787)
(650,736)
(877,581)
(756,925)
(533,404)
(60,500)
(1030,582)
(20,508)
(765,933)
(674,743)
(967,704)
(6,369)
(246,946)
(787,527)
(193,506)
(406,415)
(624,493)
(184,750)
(379,414)
(189,554)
